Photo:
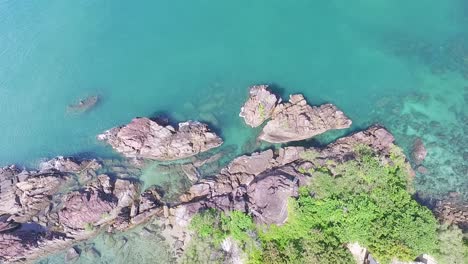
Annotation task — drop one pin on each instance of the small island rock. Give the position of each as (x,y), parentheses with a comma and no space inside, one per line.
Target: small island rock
(260,105)
(145,138)
(296,120)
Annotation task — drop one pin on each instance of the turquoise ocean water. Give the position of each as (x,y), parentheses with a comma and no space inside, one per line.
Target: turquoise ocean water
(401,63)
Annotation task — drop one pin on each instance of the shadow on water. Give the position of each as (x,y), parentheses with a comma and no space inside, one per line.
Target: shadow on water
(278,90)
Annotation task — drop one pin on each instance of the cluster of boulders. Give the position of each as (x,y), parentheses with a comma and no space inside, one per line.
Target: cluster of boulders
(52,218)
(290,121)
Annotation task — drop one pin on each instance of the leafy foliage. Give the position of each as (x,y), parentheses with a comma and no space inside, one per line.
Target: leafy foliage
(214,227)
(451,248)
(365,201)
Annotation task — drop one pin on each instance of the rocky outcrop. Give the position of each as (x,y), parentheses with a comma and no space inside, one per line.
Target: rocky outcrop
(260,105)
(296,120)
(78,216)
(290,121)
(24,194)
(145,138)
(261,183)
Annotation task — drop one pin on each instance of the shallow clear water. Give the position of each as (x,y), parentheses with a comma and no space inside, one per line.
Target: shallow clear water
(401,63)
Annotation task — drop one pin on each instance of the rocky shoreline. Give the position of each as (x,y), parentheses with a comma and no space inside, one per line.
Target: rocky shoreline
(67,200)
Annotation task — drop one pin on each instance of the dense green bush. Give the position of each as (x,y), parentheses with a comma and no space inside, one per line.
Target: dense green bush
(365,201)
(212,227)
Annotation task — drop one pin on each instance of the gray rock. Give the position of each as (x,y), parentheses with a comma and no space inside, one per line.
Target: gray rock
(145,138)
(260,105)
(296,120)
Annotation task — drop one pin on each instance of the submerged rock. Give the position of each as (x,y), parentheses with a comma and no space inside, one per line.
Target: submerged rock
(84,105)
(419,151)
(260,105)
(296,120)
(145,138)
(454,211)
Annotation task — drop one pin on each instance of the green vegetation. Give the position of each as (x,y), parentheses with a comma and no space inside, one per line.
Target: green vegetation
(451,247)
(89,227)
(213,227)
(261,110)
(366,200)
(309,155)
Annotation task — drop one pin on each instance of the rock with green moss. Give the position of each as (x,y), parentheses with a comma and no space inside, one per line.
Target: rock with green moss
(259,106)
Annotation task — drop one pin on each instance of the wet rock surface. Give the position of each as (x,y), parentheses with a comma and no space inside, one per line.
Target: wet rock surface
(145,138)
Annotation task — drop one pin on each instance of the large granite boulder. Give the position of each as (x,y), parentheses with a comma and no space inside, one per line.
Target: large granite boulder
(268,196)
(145,138)
(296,120)
(260,105)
